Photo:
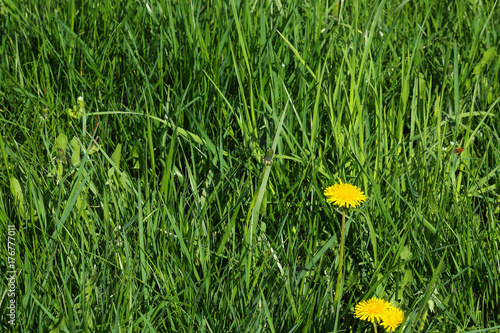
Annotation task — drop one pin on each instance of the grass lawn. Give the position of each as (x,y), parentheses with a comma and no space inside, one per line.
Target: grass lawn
(164,166)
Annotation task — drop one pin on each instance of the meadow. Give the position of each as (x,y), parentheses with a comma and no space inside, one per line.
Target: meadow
(138,193)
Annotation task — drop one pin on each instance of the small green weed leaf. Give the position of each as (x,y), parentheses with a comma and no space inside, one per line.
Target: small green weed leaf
(17,192)
(408,277)
(136,154)
(117,154)
(431,305)
(126,183)
(15,187)
(80,202)
(62,141)
(406,253)
(75,113)
(75,156)
(335,10)
(93,149)
(111,172)
(488,57)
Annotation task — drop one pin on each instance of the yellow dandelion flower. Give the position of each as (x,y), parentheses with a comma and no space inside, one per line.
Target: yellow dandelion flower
(344,195)
(371,310)
(392,318)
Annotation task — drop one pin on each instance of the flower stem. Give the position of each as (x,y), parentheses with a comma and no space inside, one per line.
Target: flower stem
(375,326)
(341,259)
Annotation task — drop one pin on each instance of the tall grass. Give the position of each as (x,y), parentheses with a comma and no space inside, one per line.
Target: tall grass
(152,210)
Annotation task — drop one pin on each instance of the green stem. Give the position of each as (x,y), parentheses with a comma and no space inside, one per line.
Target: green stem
(341,259)
(375,326)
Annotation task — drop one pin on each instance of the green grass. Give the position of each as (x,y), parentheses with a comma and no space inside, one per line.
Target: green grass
(173,223)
